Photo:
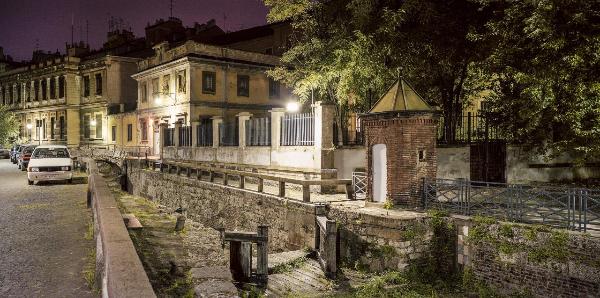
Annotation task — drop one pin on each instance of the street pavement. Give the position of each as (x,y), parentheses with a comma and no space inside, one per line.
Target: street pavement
(43,249)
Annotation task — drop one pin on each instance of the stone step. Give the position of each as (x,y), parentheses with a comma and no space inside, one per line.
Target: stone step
(306,280)
(277,259)
(131,222)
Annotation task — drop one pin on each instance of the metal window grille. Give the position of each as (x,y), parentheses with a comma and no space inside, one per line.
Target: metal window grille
(229,133)
(204,133)
(185,136)
(258,132)
(359,183)
(298,130)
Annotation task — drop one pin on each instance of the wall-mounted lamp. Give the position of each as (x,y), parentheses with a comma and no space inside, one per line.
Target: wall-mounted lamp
(29,126)
(93,122)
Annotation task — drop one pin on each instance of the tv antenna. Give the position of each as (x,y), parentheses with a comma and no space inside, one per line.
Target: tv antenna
(171,8)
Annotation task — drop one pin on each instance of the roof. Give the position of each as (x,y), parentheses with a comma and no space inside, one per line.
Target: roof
(244,34)
(51,146)
(401,97)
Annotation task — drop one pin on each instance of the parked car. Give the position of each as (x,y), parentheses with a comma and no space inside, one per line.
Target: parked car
(24,156)
(4,153)
(13,153)
(50,163)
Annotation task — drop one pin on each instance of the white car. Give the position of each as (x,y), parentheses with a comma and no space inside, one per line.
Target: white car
(50,163)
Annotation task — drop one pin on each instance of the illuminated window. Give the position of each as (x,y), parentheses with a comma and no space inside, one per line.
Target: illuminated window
(181,81)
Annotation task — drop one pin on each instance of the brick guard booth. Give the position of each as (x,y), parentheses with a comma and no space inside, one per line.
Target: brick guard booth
(400,136)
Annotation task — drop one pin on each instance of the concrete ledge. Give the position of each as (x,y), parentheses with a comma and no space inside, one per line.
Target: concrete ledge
(118,267)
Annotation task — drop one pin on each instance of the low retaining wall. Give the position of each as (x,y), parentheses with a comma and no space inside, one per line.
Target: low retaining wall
(529,259)
(119,270)
(291,222)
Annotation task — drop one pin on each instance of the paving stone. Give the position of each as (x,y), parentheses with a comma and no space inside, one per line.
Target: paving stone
(216,288)
(210,273)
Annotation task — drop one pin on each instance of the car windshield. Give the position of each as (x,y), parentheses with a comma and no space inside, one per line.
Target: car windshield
(51,153)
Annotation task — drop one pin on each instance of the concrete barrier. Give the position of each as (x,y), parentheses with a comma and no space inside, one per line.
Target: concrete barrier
(119,270)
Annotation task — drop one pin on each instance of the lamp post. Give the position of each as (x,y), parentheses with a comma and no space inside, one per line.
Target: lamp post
(29,127)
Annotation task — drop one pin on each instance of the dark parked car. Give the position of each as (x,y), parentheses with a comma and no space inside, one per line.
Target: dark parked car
(25,156)
(4,153)
(13,153)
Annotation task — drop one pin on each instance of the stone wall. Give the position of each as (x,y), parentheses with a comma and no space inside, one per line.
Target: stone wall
(529,259)
(291,222)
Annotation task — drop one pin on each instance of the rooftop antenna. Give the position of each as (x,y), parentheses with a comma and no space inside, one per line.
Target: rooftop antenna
(87,32)
(171,8)
(37,44)
(225,20)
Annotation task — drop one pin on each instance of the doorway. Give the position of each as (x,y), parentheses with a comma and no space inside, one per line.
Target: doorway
(379,173)
(156,142)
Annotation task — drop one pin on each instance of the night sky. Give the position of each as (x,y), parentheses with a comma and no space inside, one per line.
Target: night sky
(25,23)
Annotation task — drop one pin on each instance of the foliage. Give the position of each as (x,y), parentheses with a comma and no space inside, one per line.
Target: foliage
(546,73)
(350,51)
(9,126)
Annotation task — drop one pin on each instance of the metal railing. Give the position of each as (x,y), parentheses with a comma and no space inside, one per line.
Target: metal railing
(359,183)
(298,130)
(562,207)
(169,136)
(229,133)
(258,132)
(204,133)
(472,127)
(185,136)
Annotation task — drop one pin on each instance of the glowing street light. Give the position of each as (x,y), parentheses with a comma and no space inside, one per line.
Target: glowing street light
(93,122)
(29,126)
(292,107)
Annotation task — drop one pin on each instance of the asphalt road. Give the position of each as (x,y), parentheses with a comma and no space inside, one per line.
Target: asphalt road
(43,249)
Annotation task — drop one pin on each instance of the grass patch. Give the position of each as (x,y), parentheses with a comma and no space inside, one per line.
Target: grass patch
(89,271)
(289,266)
(89,232)
(33,206)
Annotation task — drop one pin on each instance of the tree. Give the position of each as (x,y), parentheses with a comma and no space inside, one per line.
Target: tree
(9,126)
(350,51)
(545,67)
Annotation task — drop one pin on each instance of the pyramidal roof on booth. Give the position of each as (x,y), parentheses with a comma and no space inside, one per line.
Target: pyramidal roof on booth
(401,97)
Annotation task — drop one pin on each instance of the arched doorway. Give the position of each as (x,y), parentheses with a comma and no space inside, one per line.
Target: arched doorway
(379,173)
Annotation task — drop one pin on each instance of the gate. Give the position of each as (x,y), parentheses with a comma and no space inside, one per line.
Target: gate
(488,161)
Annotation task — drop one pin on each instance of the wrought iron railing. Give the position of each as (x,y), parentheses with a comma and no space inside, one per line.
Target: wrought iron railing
(467,128)
(298,130)
(229,133)
(258,132)
(562,207)
(185,136)
(204,133)
(169,136)
(359,183)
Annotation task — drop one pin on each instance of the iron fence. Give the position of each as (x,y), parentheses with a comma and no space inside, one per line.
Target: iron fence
(472,127)
(258,132)
(359,183)
(169,133)
(204,133)
(298,130)
(229,133)
(185,136)
(561,207)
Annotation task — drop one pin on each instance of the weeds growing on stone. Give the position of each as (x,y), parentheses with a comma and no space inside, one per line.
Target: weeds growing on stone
(89,232)
(89,271)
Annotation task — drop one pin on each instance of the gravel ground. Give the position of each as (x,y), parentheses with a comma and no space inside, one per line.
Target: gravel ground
(42,246)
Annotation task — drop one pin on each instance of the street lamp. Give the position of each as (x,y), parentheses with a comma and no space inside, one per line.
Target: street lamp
(29,127)
(292,107)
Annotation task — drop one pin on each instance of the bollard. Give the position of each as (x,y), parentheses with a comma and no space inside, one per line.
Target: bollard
(180,224)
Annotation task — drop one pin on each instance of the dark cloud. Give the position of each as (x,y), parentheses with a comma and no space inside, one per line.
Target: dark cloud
(47,23)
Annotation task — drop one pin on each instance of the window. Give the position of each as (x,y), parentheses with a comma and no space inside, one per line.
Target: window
(61,87)
(52,88)
(86,86)
(243,85)
(209,82)
(99,126)
(113,133)
(485,106)
(129,132)
(61,125)
(86,126)
(422,155)
(44,89)
(154,87)
(144,131)
(273,88)
(98,84)
(144,95)
(181,81)
(43,129)
(36,89)
(52,124)
(165,84)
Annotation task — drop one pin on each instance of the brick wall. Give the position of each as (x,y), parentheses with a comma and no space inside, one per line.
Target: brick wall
(405,135)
